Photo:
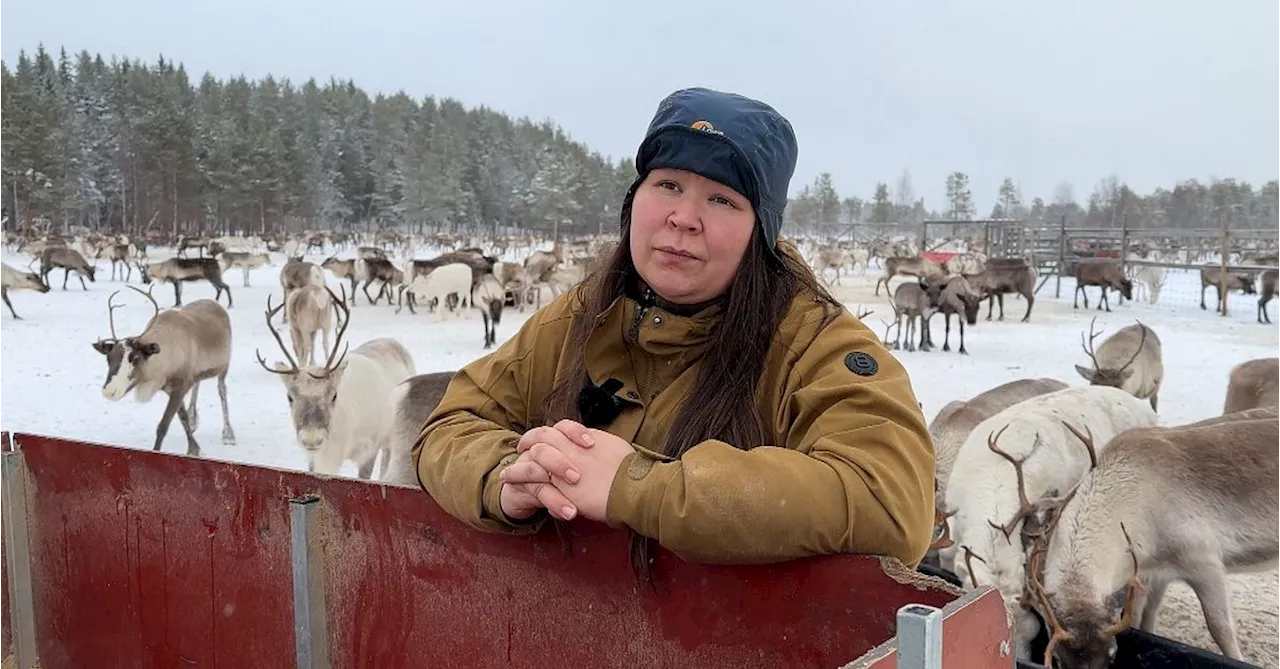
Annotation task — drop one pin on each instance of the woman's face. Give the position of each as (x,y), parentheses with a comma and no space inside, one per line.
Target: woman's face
(688,235)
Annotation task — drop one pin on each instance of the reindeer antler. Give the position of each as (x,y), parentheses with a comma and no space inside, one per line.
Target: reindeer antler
(1141,342)
(863,313)
(1087,441)
(1135,588)
(1025,507)
(293,364)
(343,313)
(152,300)
(1058,633)
(111,317)
(944,539)
(1089,350)
(968,564)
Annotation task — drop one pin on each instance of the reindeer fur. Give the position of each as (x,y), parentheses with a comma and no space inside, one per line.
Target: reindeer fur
(15,279)
(1131,359)
(411,403)
(1253,384)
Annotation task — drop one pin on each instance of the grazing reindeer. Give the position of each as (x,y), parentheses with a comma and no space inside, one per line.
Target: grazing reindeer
(1001,276)
(308,312)
(120,254)
(14,279)
(1162,504)
(452,279)
(177,350)
(952,426)
(1268,292)
(1131,359)
(297,274)
(70,260)
(992,499)
(245,261)
(1212,276)
(411,403)
(338,410)
(349,270)
(912,301)
(181,270)
(1104,275)
(917,267)
(1253,384)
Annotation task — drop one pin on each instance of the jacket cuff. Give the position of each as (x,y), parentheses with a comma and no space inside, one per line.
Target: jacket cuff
(635,498)
(492,502)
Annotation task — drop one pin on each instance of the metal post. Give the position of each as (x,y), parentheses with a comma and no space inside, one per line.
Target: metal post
(18,559)
(1222,275)
(919,637)
(1062,256)
(310,620)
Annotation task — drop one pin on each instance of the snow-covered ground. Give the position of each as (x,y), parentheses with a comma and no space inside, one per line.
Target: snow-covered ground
(52,377)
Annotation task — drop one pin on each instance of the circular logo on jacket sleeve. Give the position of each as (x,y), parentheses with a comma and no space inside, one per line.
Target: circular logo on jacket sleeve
(861,364)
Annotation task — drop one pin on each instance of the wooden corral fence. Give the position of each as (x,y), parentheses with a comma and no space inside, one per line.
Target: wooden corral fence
(996,237)
(118,557)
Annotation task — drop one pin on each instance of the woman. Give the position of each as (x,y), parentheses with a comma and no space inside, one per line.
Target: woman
(701,389)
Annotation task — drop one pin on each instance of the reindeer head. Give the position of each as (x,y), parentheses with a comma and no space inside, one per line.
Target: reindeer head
(1126,288)
(1244,282)
(312,391)
(31,281)
(144,270)
(1101,375)
(127,358)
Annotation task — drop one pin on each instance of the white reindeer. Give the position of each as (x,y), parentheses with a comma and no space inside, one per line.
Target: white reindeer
(1163,504)
(177,350)
(338,410)
(15,279)
(991,499)
(308,312)
(1131,359)
(451,279)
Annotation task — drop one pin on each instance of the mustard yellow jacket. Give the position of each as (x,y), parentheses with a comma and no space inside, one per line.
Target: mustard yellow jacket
(849,469)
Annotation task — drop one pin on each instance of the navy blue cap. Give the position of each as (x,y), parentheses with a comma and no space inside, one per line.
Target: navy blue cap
(742,143)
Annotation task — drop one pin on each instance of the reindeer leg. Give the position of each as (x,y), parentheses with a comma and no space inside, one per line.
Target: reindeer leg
(1209,581)
(1151,607)
(192,447)
(1000,297)
(1154,398)
(365,470)
(352,278)
(66,274)
(170,408)
(5,293)
(191,409)
(1202,305)
(246,276)
(1031,299)
(962,351)
(365,288)
(177,293)
(1104,300)
(946,338)
(1075,300)
(228,435)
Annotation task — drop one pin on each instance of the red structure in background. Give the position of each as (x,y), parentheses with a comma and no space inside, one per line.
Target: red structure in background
(135,558)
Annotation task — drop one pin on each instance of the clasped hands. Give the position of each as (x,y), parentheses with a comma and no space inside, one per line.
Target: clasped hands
(567,469)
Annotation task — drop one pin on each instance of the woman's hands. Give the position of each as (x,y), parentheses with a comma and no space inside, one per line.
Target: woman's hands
(567,469)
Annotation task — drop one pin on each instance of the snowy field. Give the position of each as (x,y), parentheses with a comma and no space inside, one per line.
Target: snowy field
(52,377)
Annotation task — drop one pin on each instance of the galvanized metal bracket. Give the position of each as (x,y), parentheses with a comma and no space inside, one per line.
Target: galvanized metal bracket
(18,559)
(310,618)
(919,637)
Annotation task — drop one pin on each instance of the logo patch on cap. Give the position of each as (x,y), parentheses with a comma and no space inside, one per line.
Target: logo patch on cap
(705,126)
(861,364)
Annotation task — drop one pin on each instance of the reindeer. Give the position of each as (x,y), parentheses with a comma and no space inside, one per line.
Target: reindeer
(1213,276)
(349,270)
(14,279)
(181,270)
(308,311)
(337,409)
(451,279)
(488,298)
(297,274)
(956,298)
(177,350)
(832,257)
(1005,275)
(951,427)
(121,254)
(411,403)
(1268,292)
(1104,275)
(1162,502)
(1139,373)
(244,261)
(538,268)
(913,300)
(70,260)
(991,499)
(1253,384)
(918,267)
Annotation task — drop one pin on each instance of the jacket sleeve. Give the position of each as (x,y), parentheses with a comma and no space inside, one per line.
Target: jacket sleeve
(854,476)
(473,432)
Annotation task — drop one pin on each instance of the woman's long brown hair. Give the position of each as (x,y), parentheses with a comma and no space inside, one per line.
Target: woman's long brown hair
(754,306)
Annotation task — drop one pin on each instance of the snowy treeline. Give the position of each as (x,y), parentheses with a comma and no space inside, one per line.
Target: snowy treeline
(95,143)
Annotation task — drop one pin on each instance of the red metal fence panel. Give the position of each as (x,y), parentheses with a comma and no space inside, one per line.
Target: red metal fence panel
(144,559)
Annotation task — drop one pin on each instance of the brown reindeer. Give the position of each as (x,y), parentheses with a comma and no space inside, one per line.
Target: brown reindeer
(176,350)
(1104,275)
(1268,292)
(914,300)
(1005,275)
(1212,276)
(119,254)
(956,298)
(917,267)
(1161,504)
(1253,384)
(296,274)
(69,260)
(182,270)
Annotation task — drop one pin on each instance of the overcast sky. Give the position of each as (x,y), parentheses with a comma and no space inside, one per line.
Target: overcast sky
(1154,91)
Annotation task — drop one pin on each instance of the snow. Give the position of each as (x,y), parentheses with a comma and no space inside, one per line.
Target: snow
(52,376)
